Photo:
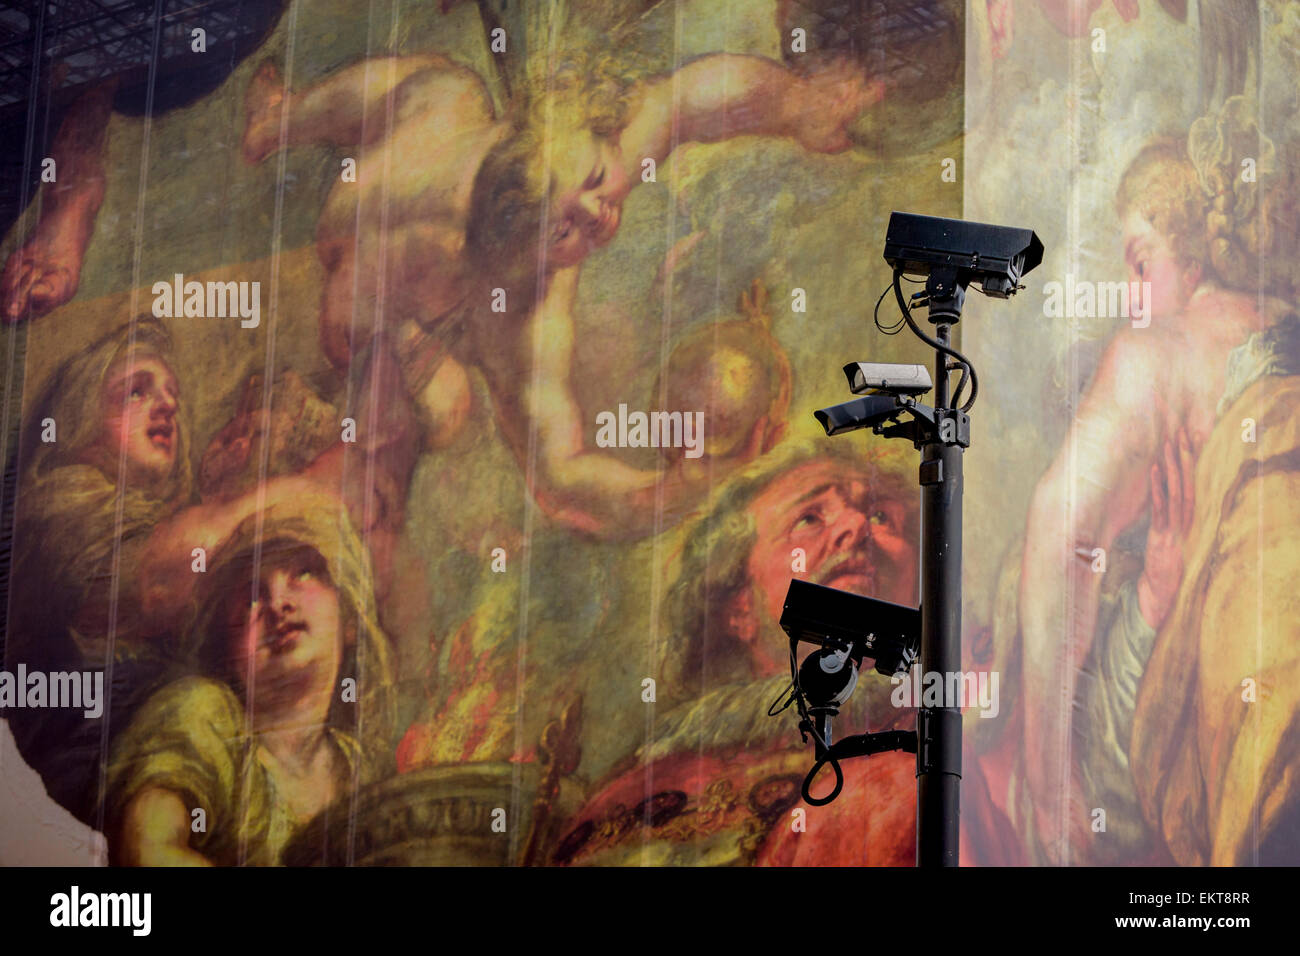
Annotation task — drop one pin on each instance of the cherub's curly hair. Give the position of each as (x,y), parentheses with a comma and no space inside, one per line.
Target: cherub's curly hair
(512,188)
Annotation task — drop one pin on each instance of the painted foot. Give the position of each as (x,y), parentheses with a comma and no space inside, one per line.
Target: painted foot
(43,273)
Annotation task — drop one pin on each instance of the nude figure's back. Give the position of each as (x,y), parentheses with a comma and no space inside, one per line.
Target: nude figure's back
(409,205)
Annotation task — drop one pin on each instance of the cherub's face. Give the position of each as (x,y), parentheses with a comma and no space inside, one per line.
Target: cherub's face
(287,645)
(1151,260)
(589,187)
(140,401)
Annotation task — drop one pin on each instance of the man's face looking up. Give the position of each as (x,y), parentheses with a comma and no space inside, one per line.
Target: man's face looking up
(854,538)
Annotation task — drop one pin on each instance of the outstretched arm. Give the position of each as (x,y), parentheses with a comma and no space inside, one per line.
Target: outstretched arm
(369,476)
(359,104)
(723,95)
(155,831)
(590,491)
(167,577)
(1094,489)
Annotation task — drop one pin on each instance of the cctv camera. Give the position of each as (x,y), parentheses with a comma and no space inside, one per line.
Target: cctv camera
(889,634)
(859,413)
(994,256)
(867,377)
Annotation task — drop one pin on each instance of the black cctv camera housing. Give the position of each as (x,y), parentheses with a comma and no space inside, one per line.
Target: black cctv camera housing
(865,412)
(890,634)
(996,257)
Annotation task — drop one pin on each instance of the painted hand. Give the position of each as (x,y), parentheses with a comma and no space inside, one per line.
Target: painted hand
(827,103)
(1173,481)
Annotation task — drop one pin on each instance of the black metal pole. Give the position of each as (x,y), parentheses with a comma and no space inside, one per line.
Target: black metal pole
(938,731)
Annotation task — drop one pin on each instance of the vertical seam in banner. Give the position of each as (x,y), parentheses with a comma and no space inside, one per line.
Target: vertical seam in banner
(1260,297)
(706,616)
(1066,675)
(268,390)
(657,550)
(115,566)
(377,368)
(16,351)
(550,20)
(665,338)
(346,407)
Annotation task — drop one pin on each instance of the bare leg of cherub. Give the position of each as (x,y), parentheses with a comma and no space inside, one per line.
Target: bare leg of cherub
(43,273)
(353,107)
(376,278)
(373,474)
(346,304)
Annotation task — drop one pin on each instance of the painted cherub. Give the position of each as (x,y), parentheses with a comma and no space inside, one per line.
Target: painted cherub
(461,237)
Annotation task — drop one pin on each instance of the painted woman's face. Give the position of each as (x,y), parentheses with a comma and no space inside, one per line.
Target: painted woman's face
(140,402)
(288,642)
(1155,268)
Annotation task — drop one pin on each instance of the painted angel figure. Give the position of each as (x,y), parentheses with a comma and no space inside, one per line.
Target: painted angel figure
(459,243)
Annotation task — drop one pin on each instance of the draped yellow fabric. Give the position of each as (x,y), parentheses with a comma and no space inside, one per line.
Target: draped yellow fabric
(1214,745)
